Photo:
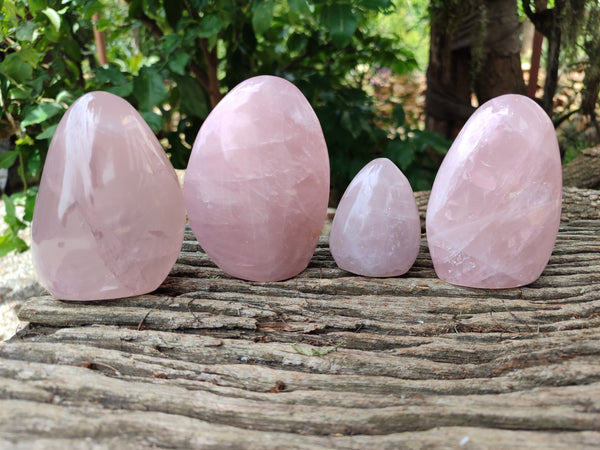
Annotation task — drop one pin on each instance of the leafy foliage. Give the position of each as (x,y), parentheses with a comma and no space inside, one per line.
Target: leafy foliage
(174,60)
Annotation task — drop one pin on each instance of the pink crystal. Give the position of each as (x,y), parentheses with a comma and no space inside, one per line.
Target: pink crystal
(376,230)
(109,217)
(494,209)
(257,183)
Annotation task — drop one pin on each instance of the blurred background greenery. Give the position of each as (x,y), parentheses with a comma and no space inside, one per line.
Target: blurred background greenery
(360,63)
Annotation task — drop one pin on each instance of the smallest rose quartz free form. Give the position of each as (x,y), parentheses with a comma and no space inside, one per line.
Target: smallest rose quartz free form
(376,230)
(494,210)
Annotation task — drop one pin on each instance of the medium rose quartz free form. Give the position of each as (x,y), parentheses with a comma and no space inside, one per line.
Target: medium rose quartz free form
(257,183)
(494,210)
(376,230)
(109,217)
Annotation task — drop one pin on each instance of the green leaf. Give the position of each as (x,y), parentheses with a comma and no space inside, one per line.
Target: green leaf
(297,42)
(36,5)
(199,4)
(25,141)
(16,68)
(47,133)
(38,83)
(30,204)
(209,26)
(122,90)
(154,121)
(110,74)
(10,216)
(53,17)
(7,159)
(400,153)
(65,97)
(399,116)
(173,12)
(34,163)
(262,15)
(92,8)
(350,120)
(341,23)
(178,63)
(29,55)
(377,5)
(17,93)
(104,24)
(299,7)
(25,31)
(40,113)
(10,242)
(149,88)
(193,98)
(136,8)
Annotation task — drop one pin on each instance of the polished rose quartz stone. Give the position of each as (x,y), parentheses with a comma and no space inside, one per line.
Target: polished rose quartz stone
(109,217)
(257,183)
(376,231)
(494,210)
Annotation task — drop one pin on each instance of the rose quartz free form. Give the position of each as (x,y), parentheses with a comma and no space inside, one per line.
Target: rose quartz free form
(494,210)
(109,217)
(257,183)
(376,231)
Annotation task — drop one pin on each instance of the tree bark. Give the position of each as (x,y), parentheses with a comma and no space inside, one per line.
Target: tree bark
(501,71)
(474,48)
(448,96)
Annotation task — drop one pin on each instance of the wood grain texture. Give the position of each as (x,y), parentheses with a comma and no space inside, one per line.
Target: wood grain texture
(324,360)
(584,170)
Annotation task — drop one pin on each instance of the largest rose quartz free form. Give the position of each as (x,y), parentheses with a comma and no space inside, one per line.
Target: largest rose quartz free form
(494,209)
(109,217)
(257,183)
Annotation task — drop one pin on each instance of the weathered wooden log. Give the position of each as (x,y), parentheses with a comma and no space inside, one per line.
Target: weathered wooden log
(584,170)
(324,360)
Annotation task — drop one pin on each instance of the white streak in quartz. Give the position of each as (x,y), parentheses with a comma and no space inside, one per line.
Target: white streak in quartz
(78,173)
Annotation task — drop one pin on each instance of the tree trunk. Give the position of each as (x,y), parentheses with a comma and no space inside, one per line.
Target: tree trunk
(501,71)
(474,47)
(448,97)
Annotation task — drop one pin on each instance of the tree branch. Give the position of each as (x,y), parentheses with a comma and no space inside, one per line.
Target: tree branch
(211,59)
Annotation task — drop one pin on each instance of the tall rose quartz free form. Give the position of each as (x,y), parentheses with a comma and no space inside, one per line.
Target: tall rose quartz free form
(376,231)
(494,210)
(109,217)
(257,183)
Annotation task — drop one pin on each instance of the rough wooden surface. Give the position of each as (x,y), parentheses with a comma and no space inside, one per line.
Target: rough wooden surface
(584,170)
(324,360)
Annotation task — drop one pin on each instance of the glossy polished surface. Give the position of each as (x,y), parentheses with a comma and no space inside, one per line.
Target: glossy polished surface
(109,217)
(376,230)
(494,210)
(257,183)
